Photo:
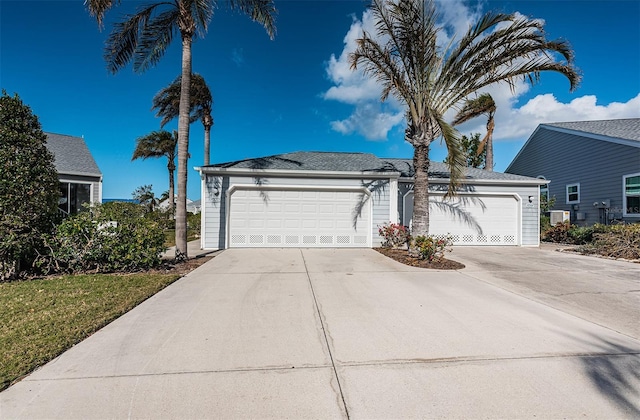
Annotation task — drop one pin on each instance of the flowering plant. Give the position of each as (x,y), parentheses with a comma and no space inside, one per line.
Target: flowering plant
(394,235)
(432,247)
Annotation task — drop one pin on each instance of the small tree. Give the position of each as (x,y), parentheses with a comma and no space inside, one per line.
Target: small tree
(470,146)
(145,196)
(29,188)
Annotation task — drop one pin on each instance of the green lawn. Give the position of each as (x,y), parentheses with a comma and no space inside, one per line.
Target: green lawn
(170,236)
(40,319)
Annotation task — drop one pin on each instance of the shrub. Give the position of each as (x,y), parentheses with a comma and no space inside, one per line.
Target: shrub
(617,241)
(394,235)
(431,247)
(28,187)
(545,223)
(115,238)
(558,233)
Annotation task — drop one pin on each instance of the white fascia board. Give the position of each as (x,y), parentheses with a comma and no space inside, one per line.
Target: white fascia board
(509,182)
(288,173)
(73,173)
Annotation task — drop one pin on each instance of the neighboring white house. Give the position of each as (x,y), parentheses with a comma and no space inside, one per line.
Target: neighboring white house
(193,206)
(326,199)
(592,168)
(79,175)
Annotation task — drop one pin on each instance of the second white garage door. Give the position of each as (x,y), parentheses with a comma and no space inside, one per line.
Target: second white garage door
(473,220)
(299,218)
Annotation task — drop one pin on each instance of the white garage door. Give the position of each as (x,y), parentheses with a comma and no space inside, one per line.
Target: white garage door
(298,218)
(473,220)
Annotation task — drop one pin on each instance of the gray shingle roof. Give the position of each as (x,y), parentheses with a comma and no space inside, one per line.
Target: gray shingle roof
(357,162)
(310,161)
(628,129)
(72,156)
(439,170)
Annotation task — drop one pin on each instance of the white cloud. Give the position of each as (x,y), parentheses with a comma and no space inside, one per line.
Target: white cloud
(374,121)
(370,120)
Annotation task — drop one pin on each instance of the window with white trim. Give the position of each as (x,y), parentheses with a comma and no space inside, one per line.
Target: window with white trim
(631,194)
(573,193)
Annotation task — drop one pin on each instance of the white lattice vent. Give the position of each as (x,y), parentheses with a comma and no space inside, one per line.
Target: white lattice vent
(308,240)
(256,239)
(238,239)
(509,239)
(291,240)
(495,239)
(360,240)
(482,238)
(467,238)
(274,239)
(343,239)
(326,240)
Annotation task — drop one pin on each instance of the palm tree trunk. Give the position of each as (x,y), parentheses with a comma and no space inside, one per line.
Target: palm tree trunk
(489,159)
(420,190)
(207,139)
(172,200)
(183,150)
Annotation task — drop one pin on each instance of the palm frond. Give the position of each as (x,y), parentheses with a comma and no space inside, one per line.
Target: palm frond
(156,144)
(166,103)
(98,8)
(123,39)
(155,38)
(261,11)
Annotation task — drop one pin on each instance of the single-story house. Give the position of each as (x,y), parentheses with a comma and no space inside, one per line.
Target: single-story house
(79,175)
(593,168)
(193,206)
(326,199)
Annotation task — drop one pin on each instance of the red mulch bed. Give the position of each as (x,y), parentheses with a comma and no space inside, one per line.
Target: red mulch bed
(402,256)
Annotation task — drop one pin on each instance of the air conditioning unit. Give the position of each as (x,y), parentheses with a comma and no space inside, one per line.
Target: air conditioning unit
(559,216)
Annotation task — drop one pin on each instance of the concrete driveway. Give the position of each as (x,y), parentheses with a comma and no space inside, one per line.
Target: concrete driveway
(290,333)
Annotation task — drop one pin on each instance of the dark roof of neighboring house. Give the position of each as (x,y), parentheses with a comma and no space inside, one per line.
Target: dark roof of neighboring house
(72,156)
(627,129)
(355,162)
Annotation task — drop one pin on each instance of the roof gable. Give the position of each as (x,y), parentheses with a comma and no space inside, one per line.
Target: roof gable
(621,131)
(72,156)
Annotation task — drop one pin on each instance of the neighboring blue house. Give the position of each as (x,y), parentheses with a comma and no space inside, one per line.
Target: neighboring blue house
(79,175)
(593,168)
(328,199)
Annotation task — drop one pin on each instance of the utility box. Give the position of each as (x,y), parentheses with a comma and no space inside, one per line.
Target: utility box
(559,216)
(581,216)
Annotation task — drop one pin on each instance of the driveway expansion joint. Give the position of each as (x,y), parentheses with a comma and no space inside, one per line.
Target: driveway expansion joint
(473,359)
(186,372)
(326,339)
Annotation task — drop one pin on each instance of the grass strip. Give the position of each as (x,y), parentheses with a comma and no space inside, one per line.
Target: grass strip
(40,319)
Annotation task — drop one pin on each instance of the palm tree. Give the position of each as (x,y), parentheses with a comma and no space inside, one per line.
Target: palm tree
(159,144)
(404,56)
(167,103)
(475,107)
(143,38)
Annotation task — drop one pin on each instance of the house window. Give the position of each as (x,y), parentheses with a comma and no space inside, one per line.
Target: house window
(573,193)
(631,184)
(73,196)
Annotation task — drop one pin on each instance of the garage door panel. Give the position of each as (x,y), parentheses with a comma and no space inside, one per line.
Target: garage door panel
(305,218)
(478,220)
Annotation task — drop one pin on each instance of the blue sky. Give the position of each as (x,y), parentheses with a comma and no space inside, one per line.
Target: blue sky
(295,92)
